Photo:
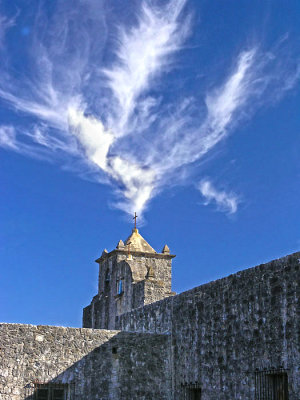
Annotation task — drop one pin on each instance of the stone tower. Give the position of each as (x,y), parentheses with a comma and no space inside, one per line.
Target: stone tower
(130,276)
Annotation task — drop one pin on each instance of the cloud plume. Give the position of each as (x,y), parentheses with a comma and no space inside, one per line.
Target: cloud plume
(96,99)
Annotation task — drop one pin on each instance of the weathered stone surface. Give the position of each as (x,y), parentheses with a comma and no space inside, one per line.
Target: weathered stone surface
(224,330)
(101,364)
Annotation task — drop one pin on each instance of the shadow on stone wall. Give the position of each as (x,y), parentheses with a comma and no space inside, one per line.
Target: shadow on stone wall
(127,366)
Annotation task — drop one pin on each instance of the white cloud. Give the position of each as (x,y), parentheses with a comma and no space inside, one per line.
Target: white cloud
(11,139)
(227,202)
(223,104)
(92,135)
(135,183)
(8,137)
(109,117)
(143,52)
(233,95)
(138,183)
(56,93)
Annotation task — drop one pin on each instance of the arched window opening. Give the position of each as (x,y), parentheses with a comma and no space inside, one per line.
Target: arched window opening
(107,280)
(107,276)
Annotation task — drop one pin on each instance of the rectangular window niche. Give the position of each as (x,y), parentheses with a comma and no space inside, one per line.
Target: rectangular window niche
(50,391)
(191,391)
(271,384)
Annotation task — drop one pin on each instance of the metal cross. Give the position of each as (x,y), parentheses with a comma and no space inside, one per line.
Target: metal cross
(135,217)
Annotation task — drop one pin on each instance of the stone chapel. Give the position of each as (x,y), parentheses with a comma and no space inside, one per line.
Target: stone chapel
(236,338)
(130,276)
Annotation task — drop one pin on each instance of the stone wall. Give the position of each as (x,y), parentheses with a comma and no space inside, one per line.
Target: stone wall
(223,331)
(155,317)
(98,364)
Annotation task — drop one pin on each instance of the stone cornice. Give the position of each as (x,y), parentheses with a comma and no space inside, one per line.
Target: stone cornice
(135,253)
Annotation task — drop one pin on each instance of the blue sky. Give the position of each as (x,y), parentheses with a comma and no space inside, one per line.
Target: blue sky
(186,112)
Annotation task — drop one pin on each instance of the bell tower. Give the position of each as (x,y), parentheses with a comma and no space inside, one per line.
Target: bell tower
(130,276)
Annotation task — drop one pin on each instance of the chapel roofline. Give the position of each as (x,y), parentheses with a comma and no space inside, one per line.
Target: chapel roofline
(136,245)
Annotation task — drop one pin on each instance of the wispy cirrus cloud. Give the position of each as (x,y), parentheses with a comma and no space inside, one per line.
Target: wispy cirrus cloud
(143,52)
(66,78)
(112,116)
(8,137)
(223,105)
(5,24)
(225,201)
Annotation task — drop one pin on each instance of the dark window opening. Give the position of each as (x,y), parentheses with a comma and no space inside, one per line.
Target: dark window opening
(107,276)
(106,280)
(191,391)
(42,394)
(271,384)
(51,391)
(58,394)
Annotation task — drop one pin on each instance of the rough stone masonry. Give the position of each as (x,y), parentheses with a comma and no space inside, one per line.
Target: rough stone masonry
(90,363)
(234,338)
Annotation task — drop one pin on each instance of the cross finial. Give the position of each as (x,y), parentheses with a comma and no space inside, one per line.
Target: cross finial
(135,217)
